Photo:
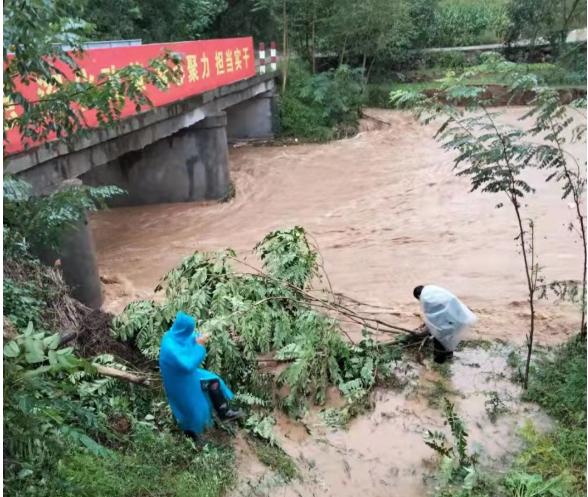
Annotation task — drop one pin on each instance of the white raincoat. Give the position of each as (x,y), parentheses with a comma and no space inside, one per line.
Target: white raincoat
(446,317)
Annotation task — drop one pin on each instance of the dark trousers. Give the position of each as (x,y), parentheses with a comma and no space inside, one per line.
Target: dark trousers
(212,388)
(217,399)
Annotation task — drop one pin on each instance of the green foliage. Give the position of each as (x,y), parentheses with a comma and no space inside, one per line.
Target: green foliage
(42,221)
(367,364)
(526,485)
(47,410)
(186,19)
(275,458)
(287,255)
(315,352)
(261,426)
(459,465)
(566,369)
(35,35)
(563,450)
(42,419)
(542,19)
(466,23)
(22,303)
(371,30)
(378,95)
(494,406)
(251,314)
(558,456)
(321,106)
(180,469)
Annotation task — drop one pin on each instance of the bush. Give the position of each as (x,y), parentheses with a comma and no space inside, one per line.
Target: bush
(378,96)
(563,450)
(567,370)
(301,120)
(322,106)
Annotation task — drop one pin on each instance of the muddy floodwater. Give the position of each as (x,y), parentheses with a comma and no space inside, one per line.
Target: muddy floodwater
(387,212)
(382,453)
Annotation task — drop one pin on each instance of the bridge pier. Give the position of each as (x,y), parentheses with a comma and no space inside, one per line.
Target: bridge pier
(192,164)
(253,118)
(77,259)
(78,265)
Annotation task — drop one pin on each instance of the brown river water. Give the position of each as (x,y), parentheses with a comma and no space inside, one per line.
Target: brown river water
(382,453)
(388,213)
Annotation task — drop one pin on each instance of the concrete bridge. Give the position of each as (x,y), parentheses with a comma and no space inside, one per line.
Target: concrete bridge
(173,153)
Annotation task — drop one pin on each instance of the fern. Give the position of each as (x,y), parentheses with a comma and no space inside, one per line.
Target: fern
(250,400)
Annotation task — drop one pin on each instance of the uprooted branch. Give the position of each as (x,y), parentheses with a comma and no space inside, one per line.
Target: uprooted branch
(333,304)
(121,375)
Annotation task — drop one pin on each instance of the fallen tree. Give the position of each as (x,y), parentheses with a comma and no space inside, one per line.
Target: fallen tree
(287,310)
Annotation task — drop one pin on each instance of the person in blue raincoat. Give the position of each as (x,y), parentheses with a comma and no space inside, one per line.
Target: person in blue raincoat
(191,391)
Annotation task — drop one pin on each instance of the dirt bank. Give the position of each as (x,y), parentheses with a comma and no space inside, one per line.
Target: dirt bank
(387,212)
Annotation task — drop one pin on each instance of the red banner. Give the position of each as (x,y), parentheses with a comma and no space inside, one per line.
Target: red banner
(206,65)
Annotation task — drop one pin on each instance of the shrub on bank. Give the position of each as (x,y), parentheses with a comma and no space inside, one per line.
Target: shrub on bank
(319,107)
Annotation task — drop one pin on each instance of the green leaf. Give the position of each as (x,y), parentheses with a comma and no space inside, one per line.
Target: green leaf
(11,349)
(34,352)
(52,342)
(51,354)
(24,473)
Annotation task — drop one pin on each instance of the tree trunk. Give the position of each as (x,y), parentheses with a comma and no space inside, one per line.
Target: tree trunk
(341,58)
(367,76)
(530,286)
(121,375)
(285,45)
(313,38)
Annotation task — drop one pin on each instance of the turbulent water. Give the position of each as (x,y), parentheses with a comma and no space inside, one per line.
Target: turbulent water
(387,212)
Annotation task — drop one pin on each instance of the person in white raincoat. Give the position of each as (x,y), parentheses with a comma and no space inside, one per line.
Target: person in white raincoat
(446,318)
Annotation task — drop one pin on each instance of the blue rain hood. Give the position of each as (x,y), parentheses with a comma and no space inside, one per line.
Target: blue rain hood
(179,360)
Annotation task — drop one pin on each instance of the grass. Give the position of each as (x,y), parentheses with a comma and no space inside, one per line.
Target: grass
(275,458)
(154,464)
(558,384)
(551,464)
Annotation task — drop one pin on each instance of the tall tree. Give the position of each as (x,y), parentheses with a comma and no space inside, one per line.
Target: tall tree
(370,30)
(154,21)
(548,19)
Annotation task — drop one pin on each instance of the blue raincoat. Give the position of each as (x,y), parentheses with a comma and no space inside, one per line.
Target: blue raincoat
(179,360)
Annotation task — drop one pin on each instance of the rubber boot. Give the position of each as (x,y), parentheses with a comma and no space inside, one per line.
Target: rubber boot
(219,402)
(440,353)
